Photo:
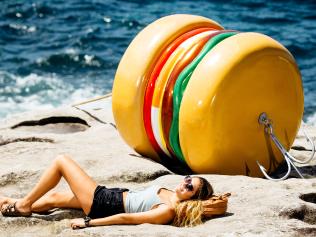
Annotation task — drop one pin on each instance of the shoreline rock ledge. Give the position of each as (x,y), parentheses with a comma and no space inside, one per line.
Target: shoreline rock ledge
(30,141)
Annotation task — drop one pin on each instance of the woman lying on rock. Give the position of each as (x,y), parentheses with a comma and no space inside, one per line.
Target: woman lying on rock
(110,206)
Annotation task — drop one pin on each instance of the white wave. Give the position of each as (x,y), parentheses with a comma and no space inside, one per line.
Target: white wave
(311,119)
(29,29)
(107,19)
(91,61)
(35,92)
(71,51)
(89,30)
(88,59)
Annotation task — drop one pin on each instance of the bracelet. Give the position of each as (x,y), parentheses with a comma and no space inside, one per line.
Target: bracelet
(87,221)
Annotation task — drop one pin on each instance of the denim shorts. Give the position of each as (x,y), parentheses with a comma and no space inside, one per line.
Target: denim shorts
(107,202)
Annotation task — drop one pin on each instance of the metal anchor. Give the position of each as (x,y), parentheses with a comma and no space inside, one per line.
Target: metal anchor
(264,120)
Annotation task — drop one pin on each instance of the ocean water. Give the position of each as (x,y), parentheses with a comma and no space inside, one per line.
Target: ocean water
(55,52)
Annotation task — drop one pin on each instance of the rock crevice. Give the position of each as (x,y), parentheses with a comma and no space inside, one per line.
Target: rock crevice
(51,120)
(25,139)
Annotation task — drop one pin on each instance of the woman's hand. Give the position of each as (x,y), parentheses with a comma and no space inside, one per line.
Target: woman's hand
(77,223)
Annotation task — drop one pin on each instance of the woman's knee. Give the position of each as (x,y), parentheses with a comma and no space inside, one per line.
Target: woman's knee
(62,158)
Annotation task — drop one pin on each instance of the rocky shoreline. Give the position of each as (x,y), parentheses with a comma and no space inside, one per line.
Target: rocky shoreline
(30,141)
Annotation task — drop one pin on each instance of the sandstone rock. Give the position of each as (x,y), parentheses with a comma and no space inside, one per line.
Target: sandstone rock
(30,141)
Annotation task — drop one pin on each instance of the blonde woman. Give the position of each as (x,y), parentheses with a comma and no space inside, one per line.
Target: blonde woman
(111,206)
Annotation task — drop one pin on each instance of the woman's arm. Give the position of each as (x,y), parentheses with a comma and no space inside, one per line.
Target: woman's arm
(160,215)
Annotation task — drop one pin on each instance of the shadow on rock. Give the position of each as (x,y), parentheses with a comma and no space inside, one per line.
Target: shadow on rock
(308,171)
(59,214)
(219,216)
(303,213)
(306,231)
(60,124)
(309,197)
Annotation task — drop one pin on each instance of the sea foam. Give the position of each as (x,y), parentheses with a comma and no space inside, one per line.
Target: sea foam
(34,92)
(311,119)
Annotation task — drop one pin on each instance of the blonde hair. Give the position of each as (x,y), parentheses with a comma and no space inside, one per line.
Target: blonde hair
(188,213)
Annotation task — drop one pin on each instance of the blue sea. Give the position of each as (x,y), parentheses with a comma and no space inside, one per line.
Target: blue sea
(56,52)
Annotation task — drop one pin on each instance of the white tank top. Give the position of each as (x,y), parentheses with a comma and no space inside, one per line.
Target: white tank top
(143,200)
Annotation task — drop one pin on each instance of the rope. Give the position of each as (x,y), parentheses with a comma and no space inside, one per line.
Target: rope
(92,100)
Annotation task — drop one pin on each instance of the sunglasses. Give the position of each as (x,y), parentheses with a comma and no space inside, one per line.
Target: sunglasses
(188,183)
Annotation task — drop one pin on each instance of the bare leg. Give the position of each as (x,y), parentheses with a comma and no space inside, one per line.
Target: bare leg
(81,184)
(56,200)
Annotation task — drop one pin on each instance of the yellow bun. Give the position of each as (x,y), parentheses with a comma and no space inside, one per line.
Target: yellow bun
(134,70)
(241,77)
